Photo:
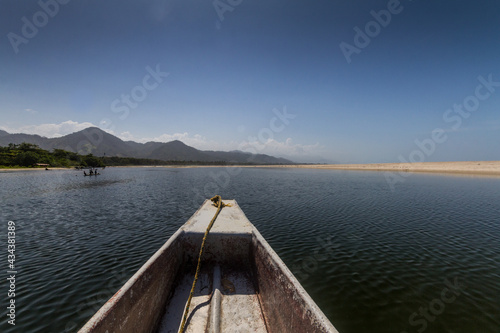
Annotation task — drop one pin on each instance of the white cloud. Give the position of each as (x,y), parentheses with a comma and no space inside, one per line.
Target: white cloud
(126,136)
(287,149)
(274,147)
(51,130)
(31,111)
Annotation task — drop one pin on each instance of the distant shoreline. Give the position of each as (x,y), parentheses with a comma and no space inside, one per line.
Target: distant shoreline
(484,168)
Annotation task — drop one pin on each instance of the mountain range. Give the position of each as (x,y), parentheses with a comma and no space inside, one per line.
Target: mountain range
(95,141)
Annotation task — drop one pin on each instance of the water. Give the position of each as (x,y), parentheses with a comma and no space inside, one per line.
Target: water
(425,258)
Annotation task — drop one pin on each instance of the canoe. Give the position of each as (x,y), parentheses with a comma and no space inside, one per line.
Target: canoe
(243,285)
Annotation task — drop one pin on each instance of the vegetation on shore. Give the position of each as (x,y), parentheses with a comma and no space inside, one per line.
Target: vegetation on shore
(30,155)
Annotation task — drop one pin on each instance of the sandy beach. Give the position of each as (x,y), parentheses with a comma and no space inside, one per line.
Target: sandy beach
(486,168)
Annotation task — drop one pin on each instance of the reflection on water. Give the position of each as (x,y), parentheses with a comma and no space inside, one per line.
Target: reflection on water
(96,182)
(373,260)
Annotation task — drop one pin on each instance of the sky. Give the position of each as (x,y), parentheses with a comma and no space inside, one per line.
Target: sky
(313,81)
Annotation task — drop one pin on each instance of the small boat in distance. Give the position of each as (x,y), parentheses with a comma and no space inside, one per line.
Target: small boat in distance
(243,285)
(92,172)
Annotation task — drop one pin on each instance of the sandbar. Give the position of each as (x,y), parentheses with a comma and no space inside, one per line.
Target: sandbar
(485,168)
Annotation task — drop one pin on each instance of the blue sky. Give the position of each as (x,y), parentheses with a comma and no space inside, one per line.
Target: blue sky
(263,76)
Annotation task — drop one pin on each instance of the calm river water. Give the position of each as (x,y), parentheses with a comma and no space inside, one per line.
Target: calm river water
(424,258)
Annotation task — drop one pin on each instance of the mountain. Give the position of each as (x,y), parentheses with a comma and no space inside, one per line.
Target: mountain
(178,151)
(95,141)
(18,138)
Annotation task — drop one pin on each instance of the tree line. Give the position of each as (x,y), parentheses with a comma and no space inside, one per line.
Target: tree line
(29,155)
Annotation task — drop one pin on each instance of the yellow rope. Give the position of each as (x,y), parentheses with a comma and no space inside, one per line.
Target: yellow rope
(217,201)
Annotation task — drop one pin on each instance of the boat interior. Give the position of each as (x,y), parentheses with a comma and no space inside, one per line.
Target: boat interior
(243,285)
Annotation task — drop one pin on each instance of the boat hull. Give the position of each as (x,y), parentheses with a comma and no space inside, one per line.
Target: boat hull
(244,284)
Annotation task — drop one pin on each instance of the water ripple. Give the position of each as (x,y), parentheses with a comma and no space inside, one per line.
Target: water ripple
(369,257)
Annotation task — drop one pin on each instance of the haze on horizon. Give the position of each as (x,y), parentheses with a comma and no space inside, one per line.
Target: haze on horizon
(327,81)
